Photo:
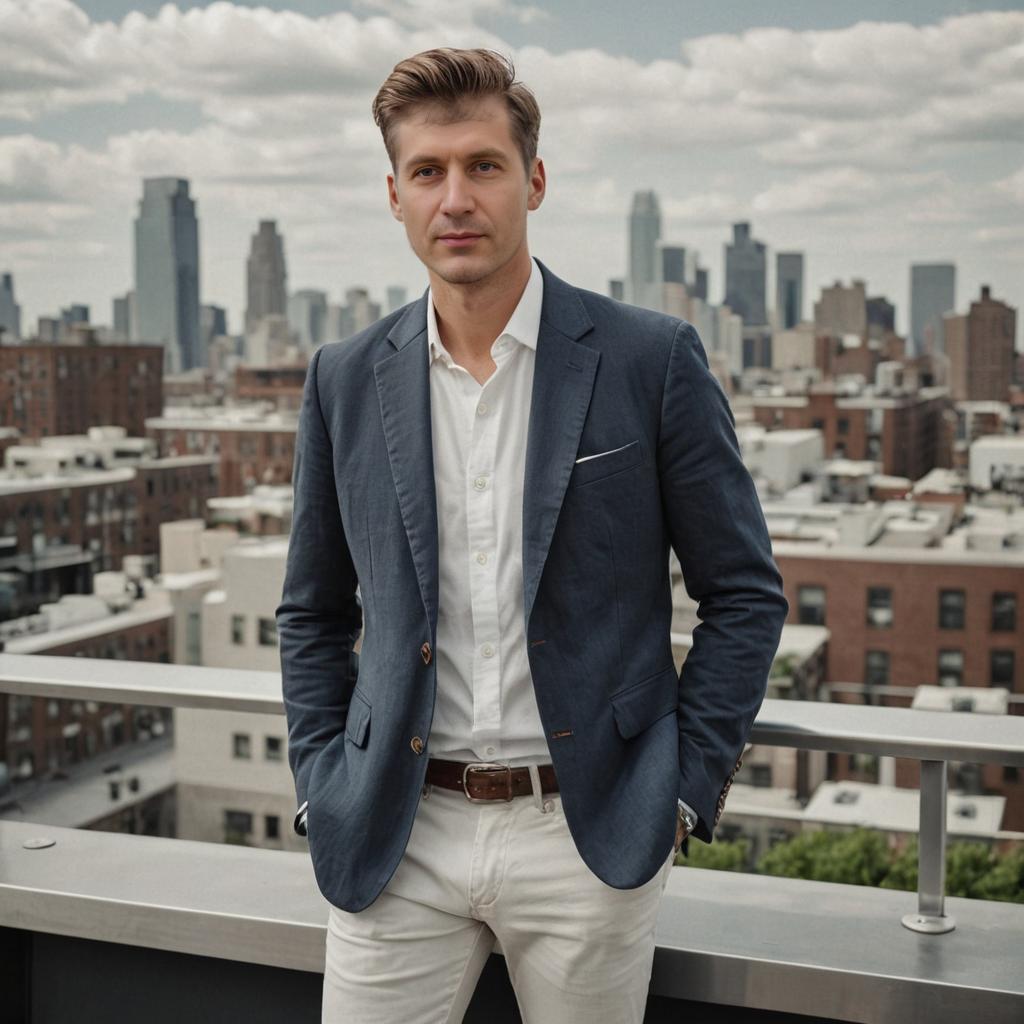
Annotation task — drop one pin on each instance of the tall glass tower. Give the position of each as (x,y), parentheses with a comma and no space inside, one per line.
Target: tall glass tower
(789,288)
(266,276)
(745,276)
(932,293)
(167,273)
(644,269)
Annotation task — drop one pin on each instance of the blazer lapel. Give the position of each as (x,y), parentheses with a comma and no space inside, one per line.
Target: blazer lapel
(403,391)
(563,381)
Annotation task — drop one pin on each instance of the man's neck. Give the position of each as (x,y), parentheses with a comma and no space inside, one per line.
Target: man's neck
(469,316)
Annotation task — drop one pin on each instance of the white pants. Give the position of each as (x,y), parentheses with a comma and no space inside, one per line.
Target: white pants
(578,951)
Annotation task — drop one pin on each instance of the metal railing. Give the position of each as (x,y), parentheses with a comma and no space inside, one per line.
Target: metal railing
(934,738)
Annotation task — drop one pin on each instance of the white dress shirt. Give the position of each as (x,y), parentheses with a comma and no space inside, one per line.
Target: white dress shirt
(486,709)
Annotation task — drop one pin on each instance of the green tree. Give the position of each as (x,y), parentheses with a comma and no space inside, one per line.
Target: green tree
(966,864)
(859,857)
(1004,880)
(719,855)
(903,869)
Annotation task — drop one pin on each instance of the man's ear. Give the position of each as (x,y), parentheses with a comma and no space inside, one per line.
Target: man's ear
(538,185)
(393,200)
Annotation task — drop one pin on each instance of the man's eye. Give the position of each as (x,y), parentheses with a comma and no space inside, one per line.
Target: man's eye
(486,163)
(421,170)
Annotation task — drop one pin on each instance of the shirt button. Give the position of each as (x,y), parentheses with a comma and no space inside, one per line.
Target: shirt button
(490,751)
(487,650)
(481,558)
(480,483)
(481,409)
(417,744)
(425,653)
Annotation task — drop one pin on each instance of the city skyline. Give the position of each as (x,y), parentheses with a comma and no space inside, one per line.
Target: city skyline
(779,127)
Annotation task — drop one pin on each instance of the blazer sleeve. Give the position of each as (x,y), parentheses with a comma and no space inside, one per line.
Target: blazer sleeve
(319,617)
(717,529)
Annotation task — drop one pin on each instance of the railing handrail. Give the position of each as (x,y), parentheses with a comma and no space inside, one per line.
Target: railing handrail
(809,725)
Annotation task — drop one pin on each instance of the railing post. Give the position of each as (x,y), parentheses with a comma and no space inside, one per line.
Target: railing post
(931,854)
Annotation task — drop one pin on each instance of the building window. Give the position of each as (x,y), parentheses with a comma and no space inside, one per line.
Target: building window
(241,745)
(951,609)
(843,425)
(1001,669)
(272,826)
(951,668)
(811,605)
(876,668)
(238,629)
(268,632)
(880,607)
(237,827)
(761,775)
(272,748)
(1004,612)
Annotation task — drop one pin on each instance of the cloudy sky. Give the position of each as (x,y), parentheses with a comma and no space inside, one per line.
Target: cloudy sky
(865,142)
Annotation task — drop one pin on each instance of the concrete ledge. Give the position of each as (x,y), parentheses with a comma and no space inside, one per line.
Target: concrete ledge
(817,948)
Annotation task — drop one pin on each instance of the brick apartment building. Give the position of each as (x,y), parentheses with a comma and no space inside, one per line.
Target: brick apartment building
(109,512)
(980,347)
(280,385)
(910,434)
(48,390)
(909,617)
(250,452)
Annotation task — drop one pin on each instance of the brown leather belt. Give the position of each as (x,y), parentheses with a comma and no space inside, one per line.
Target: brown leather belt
(485,780)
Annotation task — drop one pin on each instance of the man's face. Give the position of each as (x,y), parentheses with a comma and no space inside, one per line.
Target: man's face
(465,178)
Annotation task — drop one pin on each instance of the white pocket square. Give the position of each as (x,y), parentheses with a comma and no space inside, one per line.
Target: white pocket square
(599,454)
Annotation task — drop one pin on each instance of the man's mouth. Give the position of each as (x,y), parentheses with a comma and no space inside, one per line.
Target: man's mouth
(457,241)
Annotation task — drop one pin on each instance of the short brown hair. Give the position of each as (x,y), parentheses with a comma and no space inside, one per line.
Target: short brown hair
(450,77)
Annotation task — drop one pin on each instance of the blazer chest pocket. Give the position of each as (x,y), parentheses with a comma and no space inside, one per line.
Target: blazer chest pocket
(590,468)
(357,722)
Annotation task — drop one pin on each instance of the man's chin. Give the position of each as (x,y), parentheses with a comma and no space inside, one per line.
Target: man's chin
(462,272)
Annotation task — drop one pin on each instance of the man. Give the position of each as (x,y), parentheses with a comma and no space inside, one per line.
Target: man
(502,466)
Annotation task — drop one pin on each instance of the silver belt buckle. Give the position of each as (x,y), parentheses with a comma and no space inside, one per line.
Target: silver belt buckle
(486,766)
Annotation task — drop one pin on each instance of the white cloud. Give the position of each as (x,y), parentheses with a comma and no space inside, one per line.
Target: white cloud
(870,126)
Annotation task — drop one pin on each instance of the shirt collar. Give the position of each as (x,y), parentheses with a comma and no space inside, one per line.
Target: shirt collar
(523,326)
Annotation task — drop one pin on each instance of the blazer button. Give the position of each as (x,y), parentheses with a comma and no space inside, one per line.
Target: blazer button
(417,744)
(425,652)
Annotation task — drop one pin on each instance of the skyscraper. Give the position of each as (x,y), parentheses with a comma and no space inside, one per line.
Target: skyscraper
(124,316)
(745,276)
(307,316)
(673,264)
(932,294)
(644,232)
(676,277)
(10,311)
(700,284)
(789,289)
(266,275)
(167,272)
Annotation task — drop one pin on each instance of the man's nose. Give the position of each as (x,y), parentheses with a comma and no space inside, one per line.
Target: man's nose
(458,195)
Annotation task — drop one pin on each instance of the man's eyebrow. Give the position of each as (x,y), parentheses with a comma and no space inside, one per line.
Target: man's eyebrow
(480,154)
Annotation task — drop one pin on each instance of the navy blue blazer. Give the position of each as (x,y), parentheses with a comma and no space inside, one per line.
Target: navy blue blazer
(628,734)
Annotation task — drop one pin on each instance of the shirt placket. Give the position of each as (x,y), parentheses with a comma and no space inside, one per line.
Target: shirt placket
(483,490)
